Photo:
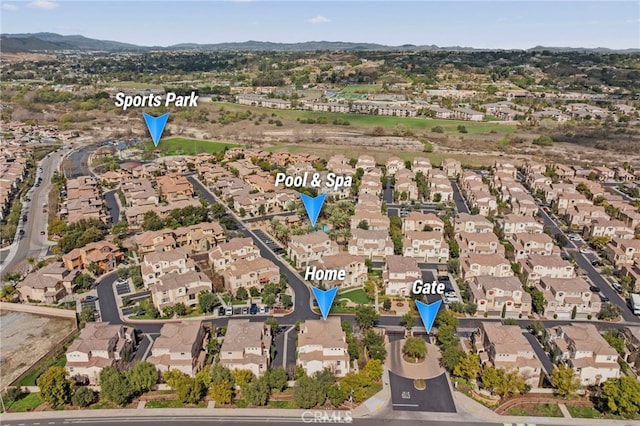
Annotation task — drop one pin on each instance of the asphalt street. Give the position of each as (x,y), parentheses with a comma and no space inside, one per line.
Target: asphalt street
(435,397)
(112,205)
(33,243)
(461,205)
(235,420)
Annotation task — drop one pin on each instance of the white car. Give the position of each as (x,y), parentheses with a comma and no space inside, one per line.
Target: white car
(584,251)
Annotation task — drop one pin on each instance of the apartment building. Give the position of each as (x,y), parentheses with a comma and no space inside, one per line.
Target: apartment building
(464,222)
(176,287)
(399,274)
(525,244)
(374,245)
(375,221)
(224,254)
(452,168)
(611,228)
(512,223)
(504,346)
(250,273)
(103,254)
(246,346)
(581,347)
(174,186)
(180,346)
(418,221)
(480,243)
(500,296)
(536,267)
(354,266)
(426,246)
(99,345)
(47,285)
(155,265)
(622,252)
(569,298)
(304,249)
(494,265)
(323,345)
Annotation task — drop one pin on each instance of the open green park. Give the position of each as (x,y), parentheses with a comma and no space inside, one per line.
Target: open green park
(186,146)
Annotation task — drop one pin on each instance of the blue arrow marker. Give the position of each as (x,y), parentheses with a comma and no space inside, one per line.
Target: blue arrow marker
(313,206)
(324,299)
(428,313)
(155,126)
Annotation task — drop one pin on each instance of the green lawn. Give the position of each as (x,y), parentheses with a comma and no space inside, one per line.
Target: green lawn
(28,402)
(584,412)
(164,403)
(100,405)
(362,88)
(538,410)
(282,404)
(356,296)
(184,146)
(417,123)
(30,379)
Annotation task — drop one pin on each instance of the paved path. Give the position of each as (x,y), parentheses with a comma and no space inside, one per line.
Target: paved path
(426,369)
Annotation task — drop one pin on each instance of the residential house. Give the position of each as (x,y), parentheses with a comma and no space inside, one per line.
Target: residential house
(176,287)
(464,222)
(155,265)
(505,347)
(536,266)
(103,254)
(418,221)
(246,346)
(99,345)
(426,246)
(399,274)
(621,251)
(525,244)
(250,273)
(581,347)
(495,265)
(480,243)
(224,254)
(179,346)
(500,296)
(304,249)
(513,223)
(323,345)
(48,284)
(354,267)
(569,298)
(374,245)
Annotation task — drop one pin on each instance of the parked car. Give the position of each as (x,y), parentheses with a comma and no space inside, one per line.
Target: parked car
(603,297)
(253,309)
(245,310)
(585,251)
(617,287)
(221,311)
(90,299)
(263,309)
(594,288)
(228,310)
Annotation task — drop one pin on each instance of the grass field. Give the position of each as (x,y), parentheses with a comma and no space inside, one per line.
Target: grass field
(583,412)
(28,402)
(538,410)
(362,88)
(356,296)
(184,146)
(370,121)
(164,403)
(30,379)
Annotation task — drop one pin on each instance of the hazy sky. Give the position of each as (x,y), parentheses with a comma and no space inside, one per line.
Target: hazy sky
(481,24)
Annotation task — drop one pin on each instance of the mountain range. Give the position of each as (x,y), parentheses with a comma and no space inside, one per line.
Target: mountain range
(39,42)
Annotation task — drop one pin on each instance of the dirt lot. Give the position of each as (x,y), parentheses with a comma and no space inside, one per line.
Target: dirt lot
(24,338)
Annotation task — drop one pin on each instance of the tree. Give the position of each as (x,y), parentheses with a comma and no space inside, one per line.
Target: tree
(273,324)
(286,301)
(55,386)
(609,311)
(253,291)
(114,386)
(206,301)
(242,377)
(363,224)
(221,373)
(87,314)
(152,222)
(564,380)
(373,369)
(621,396)
(142,377)
(221,391)
(468,367)
(308,392)
(408,321)
(374,344)
(8,292)
(83,397)
(336,395)
(257,392)
(451,356)
(512,382)
(561,239)
(491,377)
(537,299)
(241,294)
(414,347)
(190,389)
(386,305)
(277,378)
(366,316)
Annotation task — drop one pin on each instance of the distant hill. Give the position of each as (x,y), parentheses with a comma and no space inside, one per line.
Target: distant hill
(56,42)
(31,42)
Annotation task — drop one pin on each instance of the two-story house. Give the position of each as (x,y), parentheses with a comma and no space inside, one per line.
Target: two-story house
(323,345)
(399,274)
(500,296)
(304,249)
(179,346)
(246,346)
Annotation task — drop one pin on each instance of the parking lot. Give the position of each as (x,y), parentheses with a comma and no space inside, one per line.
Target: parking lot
(266,239)
(92,302)
(122,287)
